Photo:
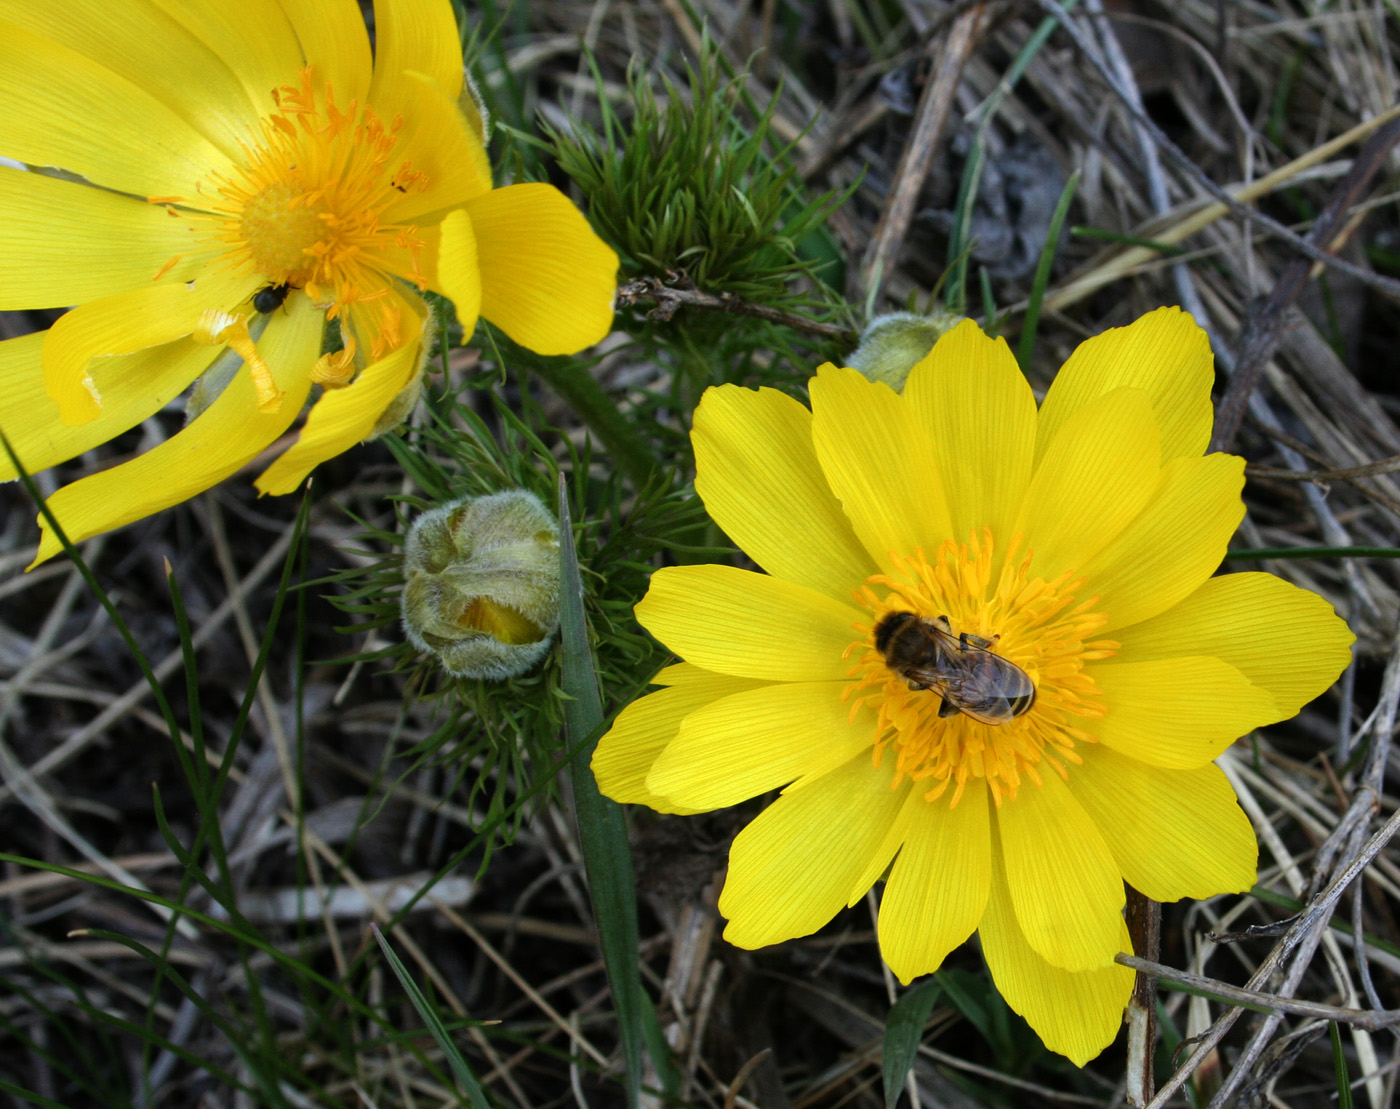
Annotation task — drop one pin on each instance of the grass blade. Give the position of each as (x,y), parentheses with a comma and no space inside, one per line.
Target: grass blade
(1339,1065)
(466,1080)
(904,1028)
(607,858)
(1042,271)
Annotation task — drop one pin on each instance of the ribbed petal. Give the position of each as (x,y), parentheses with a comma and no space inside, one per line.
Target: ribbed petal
(417,35)
(1285,640)
(879,463)
(1177,712)
(1177,541)
(625,755)
(790,871)
(140,43)
(439,142)
(343,417)
(55,102)
(217,444)
(547,280)
(937,889)
(136,385)
(66,243)
(978,414)
(747,624)
(458,269)
(253,37)
(144,316)
(1098,474)
(1076,1013)
(1063,879)
(333,40)
(1174,833)
(748,743)
(1163,353)
(757,472)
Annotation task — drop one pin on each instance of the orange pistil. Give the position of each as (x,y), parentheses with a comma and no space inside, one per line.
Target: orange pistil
(1035,624)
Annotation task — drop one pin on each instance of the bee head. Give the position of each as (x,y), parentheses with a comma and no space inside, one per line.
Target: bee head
(889,627)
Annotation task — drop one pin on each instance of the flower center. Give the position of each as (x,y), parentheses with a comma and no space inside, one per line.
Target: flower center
(307,208)
(923,695)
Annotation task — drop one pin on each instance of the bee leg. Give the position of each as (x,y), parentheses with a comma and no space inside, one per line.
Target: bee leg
(947,708)
(967,639)
(916,685)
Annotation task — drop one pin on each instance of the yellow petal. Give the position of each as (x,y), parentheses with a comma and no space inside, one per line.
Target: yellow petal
(66,243)
(1177,712)
(547,280)
(1064,883)
(1174,833)
(880,465)
(1163,353)
(978,413)
(1097,475)
(790,871)
(757,472)
(145,316)
(343,417)
(333,41)
(222,440)
(253,37)
(145,46)
(750,742)
(1286,640)
(626,753)
(135,386)
(417,35)
(1177,541)
(459,273)
(1077,1013)
(750,625)
(56,103)
(937,889)
(439,142)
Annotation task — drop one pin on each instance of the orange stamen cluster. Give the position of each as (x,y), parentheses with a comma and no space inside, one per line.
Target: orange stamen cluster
(1035,624)
(308,207)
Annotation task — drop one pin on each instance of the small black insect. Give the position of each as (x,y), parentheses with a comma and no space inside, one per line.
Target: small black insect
(270,298)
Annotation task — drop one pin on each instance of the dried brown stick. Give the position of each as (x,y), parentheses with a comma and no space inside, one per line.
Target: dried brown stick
(929,121)
(1351,473)
(669,300)
(1262,331)
(1373,1020)
(1145,927)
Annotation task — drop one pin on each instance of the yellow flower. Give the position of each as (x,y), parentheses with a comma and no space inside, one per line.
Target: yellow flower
(227,177)
(1079,540)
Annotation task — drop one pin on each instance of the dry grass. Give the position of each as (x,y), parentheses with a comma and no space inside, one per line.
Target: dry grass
(1161,108)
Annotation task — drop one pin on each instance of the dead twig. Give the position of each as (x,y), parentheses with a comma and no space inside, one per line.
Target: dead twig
(1373,1020)
(669,299)
(914,163)
(1261,331)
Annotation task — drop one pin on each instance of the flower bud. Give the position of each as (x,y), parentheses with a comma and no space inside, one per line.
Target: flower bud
(481,584)
(890,346)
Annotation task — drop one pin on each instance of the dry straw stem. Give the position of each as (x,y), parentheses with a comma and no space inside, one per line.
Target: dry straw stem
(1197,215)
(909,176)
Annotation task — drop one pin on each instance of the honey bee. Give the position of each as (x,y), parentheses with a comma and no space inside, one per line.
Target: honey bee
(270,297)
(961,669)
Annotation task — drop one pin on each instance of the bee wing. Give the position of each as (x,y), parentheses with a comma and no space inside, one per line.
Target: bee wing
(926,677)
